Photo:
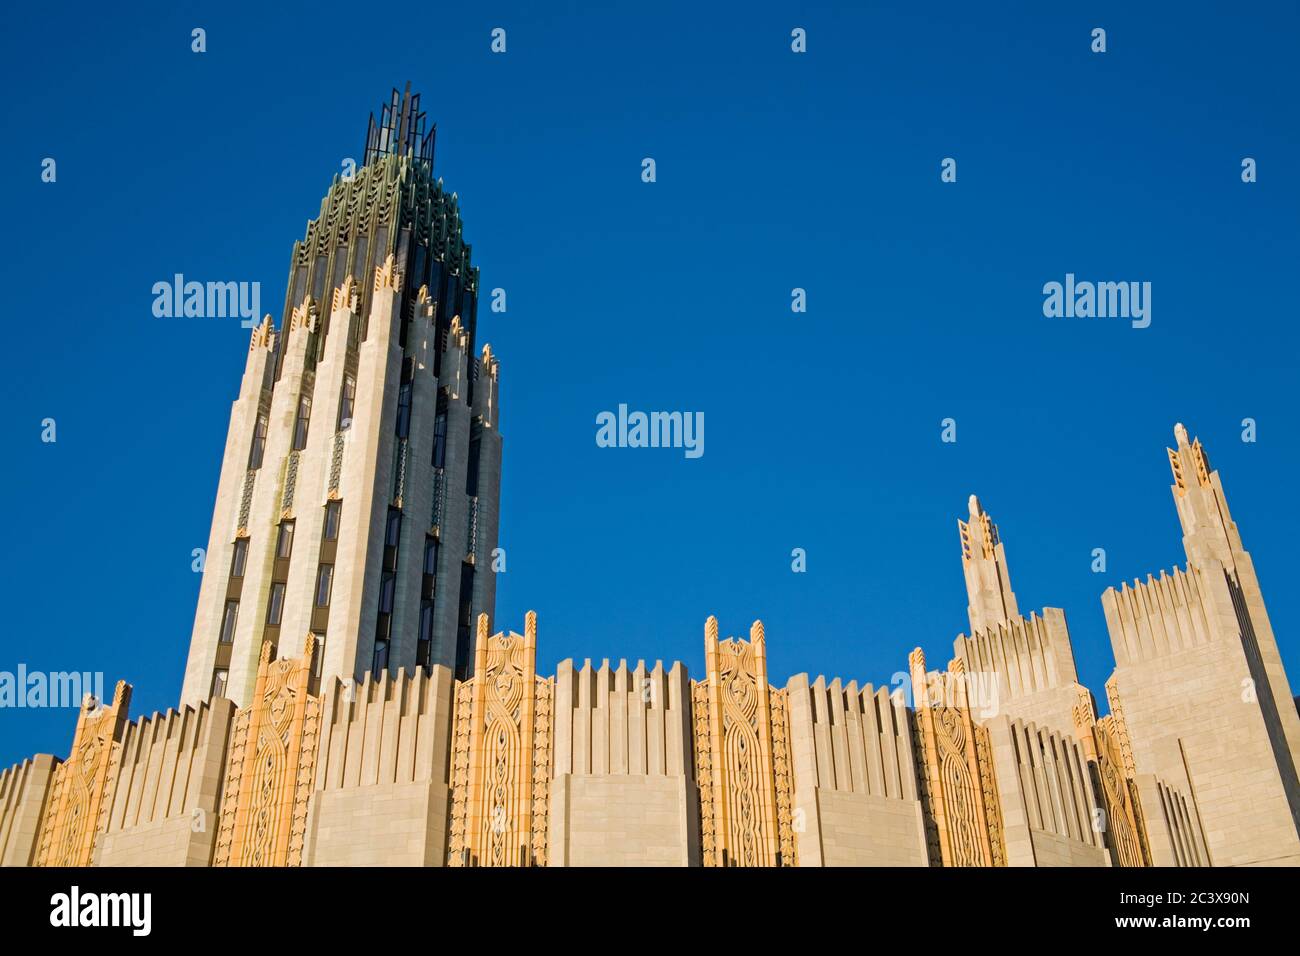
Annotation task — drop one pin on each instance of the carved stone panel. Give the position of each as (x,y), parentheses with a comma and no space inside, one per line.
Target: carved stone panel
(501,754)
(742,757)
(271,767)
(81,791)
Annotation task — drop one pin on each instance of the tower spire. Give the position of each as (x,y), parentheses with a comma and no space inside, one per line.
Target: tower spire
(1209,533)
(400,130)
(988,580)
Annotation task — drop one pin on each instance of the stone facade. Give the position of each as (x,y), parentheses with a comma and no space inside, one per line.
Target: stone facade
(358,494)
(345,703)
(998,760)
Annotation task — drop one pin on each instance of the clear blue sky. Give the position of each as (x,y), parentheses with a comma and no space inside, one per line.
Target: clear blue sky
(775,170)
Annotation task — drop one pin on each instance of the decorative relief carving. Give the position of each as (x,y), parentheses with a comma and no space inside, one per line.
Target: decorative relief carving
(782,771)
(399,472)
(933,849)
(336,463)
(502,754)
(387,276)
(245,504)
(1120,728)
(305,315)
(82,789)
(263,335)
(992,802)
(960,792)
(439,498)
(271,767)
(290,484)
(742,756)
(704,771)
(1121,807)
(345,296)
(1105,745)
(544,689)
(457,843)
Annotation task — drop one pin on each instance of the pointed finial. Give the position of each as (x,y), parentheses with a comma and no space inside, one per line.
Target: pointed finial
(530,629)
(1180,434)
(974,504)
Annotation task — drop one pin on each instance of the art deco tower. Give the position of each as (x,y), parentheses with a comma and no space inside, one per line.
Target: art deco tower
(358,498)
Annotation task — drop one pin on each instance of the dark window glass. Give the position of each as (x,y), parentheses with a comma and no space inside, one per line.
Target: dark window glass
(471,473)
(404,410)
(387,586)
(228,619)
(300,426)
(347,401)
(430,555)
(318,277)
(240,558)
(259,444)
(340,266)
(426,621)
(394,530)
(359,262)
(464,621)
(284,544)
(435,278)
(440,435)
(324,581)
(319,660)
(219,679)
(421,257)
(381,656)
(333,510)
(275,607)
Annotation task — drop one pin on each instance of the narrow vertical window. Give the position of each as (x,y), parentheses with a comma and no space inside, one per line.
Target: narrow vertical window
(324,581)
(471,473)
(259,444)
(319,662)
(347,400)
(219,679)
(240,558)
(424,646)
(381,656)
(228,619)
(430,555)
(284,544)
(300,426)
(333,510)
(404,410)
(275,606)
(440,433)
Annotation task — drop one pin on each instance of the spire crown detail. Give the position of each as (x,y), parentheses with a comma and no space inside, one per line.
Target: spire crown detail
(984,562)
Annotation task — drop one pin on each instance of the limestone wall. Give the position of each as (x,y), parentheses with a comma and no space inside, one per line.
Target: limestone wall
(1032,662)
(855,794)
(165,800)
(24,791)
(1050,808)
(381,772)
(624,790)
(1191,710)
(1172,828)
